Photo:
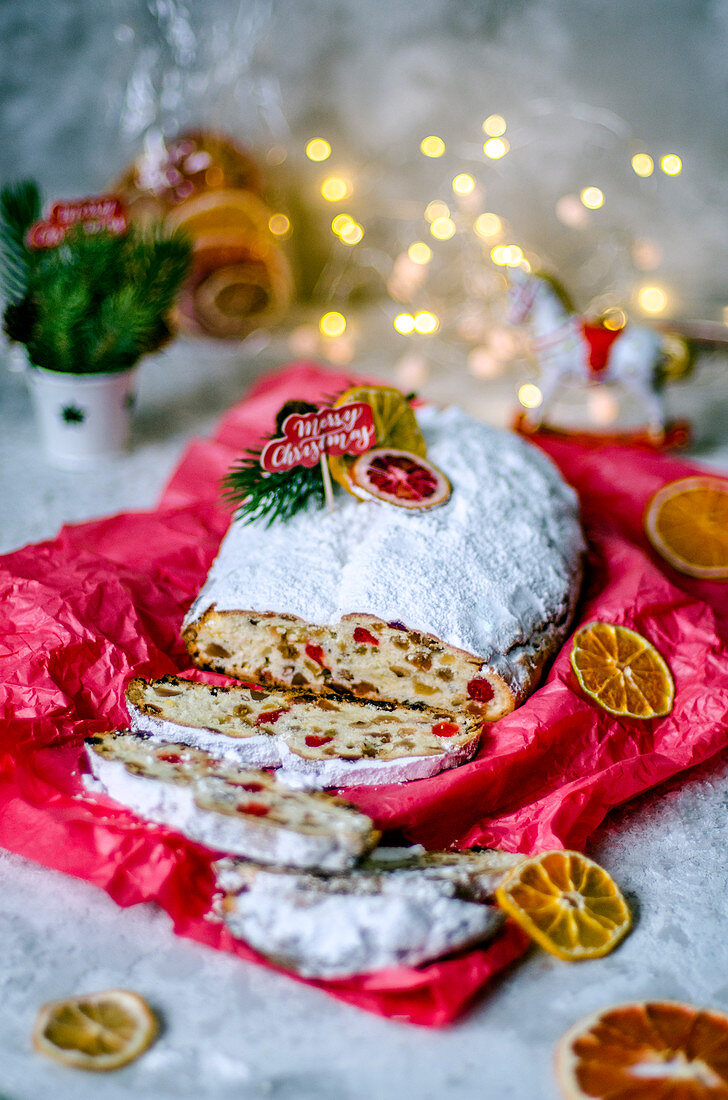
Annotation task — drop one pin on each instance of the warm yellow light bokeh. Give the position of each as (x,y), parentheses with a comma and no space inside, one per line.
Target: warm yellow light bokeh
(443,229)
(463,184)
(426,323)
(352,233)
(495,148)
(332,324)
(643,164)
(614,319)
(318,149)
(334,189)
(404,323)
(432,146)
(340,223)
(530,396)
(671,165)
(437,209)
(487,225)
(419,252)
(592,198)
(652,299)
(507,255)
(279,225)
(494,126)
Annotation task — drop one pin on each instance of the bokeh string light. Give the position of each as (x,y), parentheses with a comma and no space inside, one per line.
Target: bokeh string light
(451,283)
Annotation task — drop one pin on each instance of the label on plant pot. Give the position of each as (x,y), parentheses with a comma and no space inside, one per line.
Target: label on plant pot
(307,437)
(95,213)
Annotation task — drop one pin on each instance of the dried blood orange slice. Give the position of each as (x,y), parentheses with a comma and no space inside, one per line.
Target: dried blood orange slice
(655,1050)
(394,421)
(567,903)
(622,671)
(400,478)
(687,523)
(97,1031)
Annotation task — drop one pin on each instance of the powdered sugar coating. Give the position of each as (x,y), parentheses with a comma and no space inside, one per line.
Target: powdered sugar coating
(325,936)
(489,572)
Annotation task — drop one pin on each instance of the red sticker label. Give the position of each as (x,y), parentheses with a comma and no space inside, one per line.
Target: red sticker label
(95,213)
(307,437)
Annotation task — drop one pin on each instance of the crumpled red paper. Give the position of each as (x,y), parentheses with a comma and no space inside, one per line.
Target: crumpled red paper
(81,614)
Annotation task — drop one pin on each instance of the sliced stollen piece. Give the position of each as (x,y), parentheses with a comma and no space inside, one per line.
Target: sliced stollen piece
(316,740)
(458,607)
(401,907)
(242,811)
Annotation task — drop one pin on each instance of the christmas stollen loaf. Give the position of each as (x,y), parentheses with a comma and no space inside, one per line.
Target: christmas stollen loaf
(240,811)
(314,739)
(400,907)
(458,607)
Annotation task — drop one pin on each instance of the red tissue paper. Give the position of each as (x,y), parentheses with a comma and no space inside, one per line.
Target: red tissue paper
(103,602)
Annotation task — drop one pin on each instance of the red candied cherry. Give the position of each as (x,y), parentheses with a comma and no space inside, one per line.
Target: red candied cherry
(255,809)
(363,636)
(169,757)
(446,729)
(480,690)
(251,787)
(315,740)
(268,717)
(316,653)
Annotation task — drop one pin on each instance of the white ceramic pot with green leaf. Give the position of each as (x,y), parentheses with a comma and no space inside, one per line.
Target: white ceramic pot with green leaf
(87,296)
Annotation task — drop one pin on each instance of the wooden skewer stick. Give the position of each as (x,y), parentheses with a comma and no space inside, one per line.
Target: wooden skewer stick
(328,491)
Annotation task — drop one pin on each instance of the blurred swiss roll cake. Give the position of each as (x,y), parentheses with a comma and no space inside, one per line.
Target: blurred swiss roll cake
(205,185)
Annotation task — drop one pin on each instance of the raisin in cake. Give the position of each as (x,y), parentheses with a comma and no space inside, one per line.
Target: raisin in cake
(401,907)
(242,811)
(319,740)
(458,607)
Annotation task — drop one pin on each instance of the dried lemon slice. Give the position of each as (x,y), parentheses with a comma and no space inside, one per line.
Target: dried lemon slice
(687,523)
(395,423)
(95,1031)
(567,903)
(656,1050)
(622,671)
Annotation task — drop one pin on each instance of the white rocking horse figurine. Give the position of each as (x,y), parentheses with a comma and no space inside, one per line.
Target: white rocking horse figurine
(568,347)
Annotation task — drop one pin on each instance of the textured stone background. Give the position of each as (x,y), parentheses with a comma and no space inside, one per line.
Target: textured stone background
(582,84)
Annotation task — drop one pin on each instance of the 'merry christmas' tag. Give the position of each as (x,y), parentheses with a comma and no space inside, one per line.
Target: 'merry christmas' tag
(308,437)
(94,213)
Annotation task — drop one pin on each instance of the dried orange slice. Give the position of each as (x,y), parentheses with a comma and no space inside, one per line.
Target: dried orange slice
(687,523)
(400,478)
(96,1031)
(567,903)
(622,671)
(395,423)
(656,1050)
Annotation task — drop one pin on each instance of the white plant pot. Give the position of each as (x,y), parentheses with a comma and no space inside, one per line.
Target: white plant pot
(84,418)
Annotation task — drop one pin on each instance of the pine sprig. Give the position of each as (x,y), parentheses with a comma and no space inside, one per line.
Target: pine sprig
(20,206)
(260,495)
(270,497)
(98,302)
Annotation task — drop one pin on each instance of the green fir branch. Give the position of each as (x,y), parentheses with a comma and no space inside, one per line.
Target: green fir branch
(20,206)
(98,301)
(260,495)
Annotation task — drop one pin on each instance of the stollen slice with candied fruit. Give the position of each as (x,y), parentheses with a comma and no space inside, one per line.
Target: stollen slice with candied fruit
(395,423)
(567,903)
(95,1031)
(687,524)
(622,671)
(653,1050)
(400,478)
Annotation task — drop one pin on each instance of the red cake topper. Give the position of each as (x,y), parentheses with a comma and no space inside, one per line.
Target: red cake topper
(95,213)
(308,437)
